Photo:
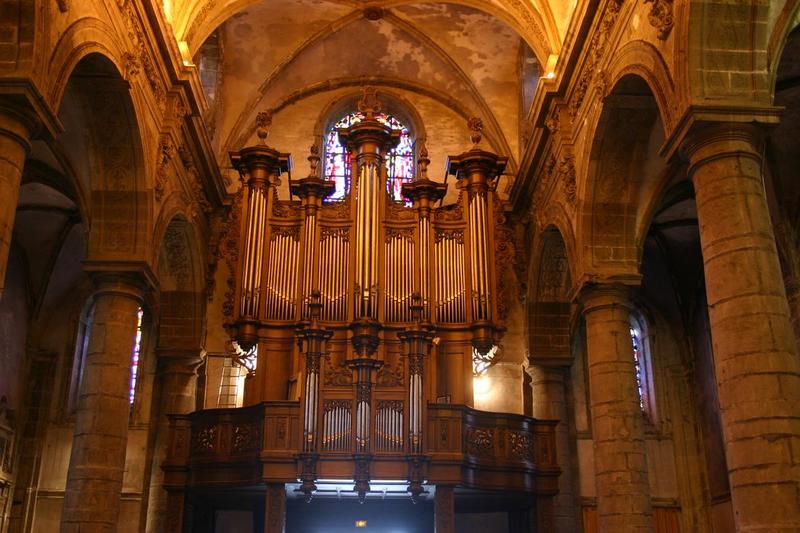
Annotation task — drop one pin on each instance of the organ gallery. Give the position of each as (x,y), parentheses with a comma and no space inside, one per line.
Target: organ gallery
(305,266)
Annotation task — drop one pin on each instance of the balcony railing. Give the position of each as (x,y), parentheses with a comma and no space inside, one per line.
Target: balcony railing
(461,446)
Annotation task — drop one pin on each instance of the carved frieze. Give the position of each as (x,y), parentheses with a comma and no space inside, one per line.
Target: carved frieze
(337,376)
(595,51)
(521,446)
(479,441)
(504,254)
(141,51)
(335,233)
(566,171)
(228,251)
(399,233)
(292,232)
(398,211)
(660,17)
(453,234)
(337,210)
(166,150)
(204,440)
(390,375)
(245,437)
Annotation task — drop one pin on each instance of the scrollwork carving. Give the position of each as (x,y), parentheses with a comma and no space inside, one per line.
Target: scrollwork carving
(245,438)
(521,446)
(204,440)
(479,441)
(454,234)
(390,375)
(292,232)
(660,17)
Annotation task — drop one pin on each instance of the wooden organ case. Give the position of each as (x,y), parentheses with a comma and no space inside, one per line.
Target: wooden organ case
(373,309)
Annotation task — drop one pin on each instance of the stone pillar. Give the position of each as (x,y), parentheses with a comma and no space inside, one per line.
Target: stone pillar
(15,132)
(275,508)
(550,403)
(177,376)
(444,510)
(793,299)
(97,461)
(623,490)
(755,353)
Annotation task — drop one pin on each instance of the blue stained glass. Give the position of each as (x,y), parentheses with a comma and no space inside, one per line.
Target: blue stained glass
(637,362)
(137,347)
(399,160)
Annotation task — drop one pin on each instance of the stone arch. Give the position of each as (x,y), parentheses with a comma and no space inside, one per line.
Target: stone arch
(642,59)
(549,301)
(785,23)
(728,48)
(102,147)
(84,37)
(181,275)
(623,171)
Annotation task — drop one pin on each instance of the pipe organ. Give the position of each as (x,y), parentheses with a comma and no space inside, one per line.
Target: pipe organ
(375,308)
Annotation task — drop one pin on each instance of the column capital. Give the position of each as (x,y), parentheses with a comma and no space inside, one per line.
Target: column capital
(595,297)
(708,142)
(130,279)
(21,101)
(179,360)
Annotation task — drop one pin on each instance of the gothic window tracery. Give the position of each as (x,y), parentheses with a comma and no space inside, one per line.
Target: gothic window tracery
(399,161)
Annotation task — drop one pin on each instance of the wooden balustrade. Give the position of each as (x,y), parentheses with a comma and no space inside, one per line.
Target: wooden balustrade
(261,443)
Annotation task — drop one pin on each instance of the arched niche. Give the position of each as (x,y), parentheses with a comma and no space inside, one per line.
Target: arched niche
(101,148)
(624,171)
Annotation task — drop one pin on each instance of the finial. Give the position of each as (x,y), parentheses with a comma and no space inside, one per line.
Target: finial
(313,160)
(263,123)
(423,161)
(369,104)
(476,130)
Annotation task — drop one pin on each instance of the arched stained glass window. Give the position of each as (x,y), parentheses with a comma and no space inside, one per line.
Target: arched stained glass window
(399,161)
(643,366)
(637,363)
(137,348)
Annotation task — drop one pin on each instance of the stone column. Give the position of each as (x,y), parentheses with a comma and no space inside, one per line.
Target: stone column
(550,403)
(275,508)
(755,353)
(177,374)
(623,490)
(15,132)
(97,461)
(793,299)
(444,510)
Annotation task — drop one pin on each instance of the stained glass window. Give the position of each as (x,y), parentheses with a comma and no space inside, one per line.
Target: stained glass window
(399,161)
(637,362)
(137,346)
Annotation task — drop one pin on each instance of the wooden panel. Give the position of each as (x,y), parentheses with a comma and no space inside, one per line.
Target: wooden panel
(589,519)
(665,519)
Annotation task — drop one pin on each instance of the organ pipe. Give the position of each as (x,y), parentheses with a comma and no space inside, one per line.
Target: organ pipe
(261,168)
(477,171)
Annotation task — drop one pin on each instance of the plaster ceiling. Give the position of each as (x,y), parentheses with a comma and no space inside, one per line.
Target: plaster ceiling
(276,54)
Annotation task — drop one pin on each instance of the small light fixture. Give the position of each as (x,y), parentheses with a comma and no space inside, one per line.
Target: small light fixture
(361,523)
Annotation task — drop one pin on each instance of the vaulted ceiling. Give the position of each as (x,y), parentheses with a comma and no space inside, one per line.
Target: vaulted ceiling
(448,61)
